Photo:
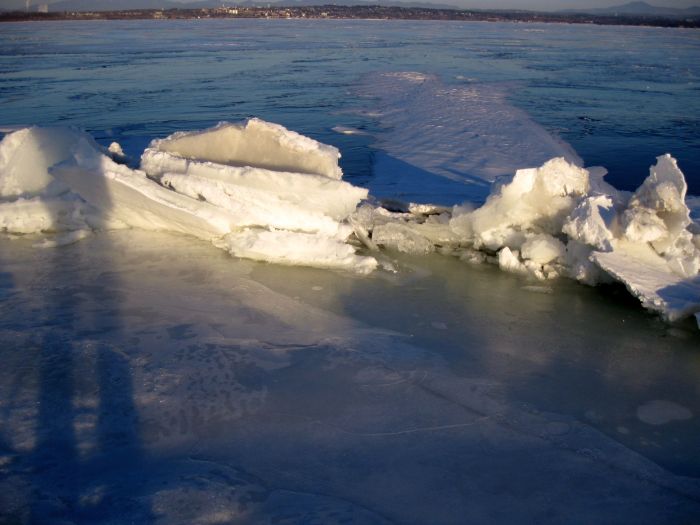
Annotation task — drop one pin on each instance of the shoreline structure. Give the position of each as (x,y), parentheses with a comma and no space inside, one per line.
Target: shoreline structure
(351,13)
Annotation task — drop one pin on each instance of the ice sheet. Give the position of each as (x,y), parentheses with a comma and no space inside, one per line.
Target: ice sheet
(648,277)
(247,402)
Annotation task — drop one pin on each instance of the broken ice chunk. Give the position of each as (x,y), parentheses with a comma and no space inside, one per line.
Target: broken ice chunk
(648,277)
(589,222)
(253,143)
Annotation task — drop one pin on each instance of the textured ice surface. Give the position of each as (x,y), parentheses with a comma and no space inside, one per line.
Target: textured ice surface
(451,140)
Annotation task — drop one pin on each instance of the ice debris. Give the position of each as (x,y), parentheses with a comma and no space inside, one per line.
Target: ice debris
(254,189)
(563,220)
(262,192)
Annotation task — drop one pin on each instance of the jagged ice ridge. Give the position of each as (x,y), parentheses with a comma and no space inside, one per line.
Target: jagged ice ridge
(260,191)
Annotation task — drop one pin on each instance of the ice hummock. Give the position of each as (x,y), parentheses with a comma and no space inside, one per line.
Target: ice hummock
(557,220)
(562,220)
(255,189)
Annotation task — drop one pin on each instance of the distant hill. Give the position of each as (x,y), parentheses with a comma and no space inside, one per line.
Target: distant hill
(118,5)
(641,9)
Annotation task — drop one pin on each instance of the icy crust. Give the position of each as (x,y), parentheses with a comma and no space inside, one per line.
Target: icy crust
(60,181)
(563,220)
(251,143)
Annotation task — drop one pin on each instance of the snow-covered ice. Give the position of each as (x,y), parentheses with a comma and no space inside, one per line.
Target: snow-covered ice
(459,138)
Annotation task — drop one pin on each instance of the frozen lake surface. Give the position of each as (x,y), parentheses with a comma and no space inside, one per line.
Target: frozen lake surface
(151,378)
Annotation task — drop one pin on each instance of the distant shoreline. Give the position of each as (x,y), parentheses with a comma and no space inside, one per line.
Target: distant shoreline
(326,12)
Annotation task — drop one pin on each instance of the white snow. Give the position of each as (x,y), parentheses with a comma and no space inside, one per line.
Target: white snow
(313,192)
(27,154)
(295,248)
(535,201)
(129,197)
(543,249)
(564,220)
(509,261)
(650,278)
(24,216)
(590,222)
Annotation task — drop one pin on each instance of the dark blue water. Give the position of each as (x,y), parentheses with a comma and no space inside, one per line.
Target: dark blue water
(621,96)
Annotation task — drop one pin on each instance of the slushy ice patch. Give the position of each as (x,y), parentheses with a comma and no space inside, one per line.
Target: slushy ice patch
(292,207)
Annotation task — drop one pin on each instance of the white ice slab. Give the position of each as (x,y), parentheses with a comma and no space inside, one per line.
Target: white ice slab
(127,195)
(331,197)
(254,143)
(648,277)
